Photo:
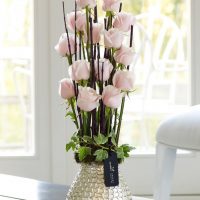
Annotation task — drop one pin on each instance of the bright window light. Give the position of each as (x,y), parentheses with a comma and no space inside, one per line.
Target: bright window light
(16,47)
(161,68)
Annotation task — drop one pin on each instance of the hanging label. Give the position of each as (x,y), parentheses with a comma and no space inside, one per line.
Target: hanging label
(111,175)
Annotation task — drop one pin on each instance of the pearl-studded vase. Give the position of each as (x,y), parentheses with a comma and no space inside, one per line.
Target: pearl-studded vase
(89,185)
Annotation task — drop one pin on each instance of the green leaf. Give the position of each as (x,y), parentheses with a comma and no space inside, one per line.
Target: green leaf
(87,139)
(70,145)
(126,149)
(113,140)
(111,134)
(71,115)
(74,139)
(100,139)
(120,153)
(101,155)
(83,152)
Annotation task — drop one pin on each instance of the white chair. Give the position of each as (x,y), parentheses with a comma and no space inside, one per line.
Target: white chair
(181,131)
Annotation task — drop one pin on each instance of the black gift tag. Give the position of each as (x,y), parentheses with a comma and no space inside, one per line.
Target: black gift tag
(111,176)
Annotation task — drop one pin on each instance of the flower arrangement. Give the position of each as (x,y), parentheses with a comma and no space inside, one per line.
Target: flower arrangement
(100,77)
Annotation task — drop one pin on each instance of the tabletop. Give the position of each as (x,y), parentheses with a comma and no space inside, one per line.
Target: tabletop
(18,188)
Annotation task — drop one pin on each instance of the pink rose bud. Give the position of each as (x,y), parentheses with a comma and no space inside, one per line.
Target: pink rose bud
(113,38)
(96,33)
(62,46)
(123,21)
(97,29)
(66,89)
(80,21)
(112,96)
(111,5)
(124,55)
(105,68)
(88,99)
(124,80)
(84,3)
(79,70)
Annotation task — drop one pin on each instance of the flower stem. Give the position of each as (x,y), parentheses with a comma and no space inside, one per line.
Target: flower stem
(84,123)
(120,119)
(115,121)
(74,112)
(83,46)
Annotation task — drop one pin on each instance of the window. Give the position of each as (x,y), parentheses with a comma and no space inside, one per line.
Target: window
(16,46)
(161,68)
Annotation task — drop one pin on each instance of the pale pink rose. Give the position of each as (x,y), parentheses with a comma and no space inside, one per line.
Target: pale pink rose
(96,32)
(79,70)
(62,46)
(107,69)
(88,99)
(97,29)
(66,88)
(80,21)
(124,80)
(112,96)
(84,3)
(123,21)
(113,38)
(124,55)
(111,5)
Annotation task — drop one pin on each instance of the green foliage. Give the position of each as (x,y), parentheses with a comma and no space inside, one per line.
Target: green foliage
(100,139)
(120,153)
(97,148)
(87,139)
(71,115)
(83,152)
(123,151)
(70,145)
(113,140)
(101,155)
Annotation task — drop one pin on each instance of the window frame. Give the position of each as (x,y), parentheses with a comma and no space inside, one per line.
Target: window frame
(28,165)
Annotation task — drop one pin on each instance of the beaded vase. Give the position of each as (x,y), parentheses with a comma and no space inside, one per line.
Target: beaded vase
(89,185)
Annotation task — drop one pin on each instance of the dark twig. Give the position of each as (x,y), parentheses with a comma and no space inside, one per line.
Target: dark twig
(105,22)
(131,36)
(92,55)
(75,32)
(95,51)
(131,41)
(109,22)
(102,115)
(80,46)
(67,32)
(95,15)
(120,7)
(92,75)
